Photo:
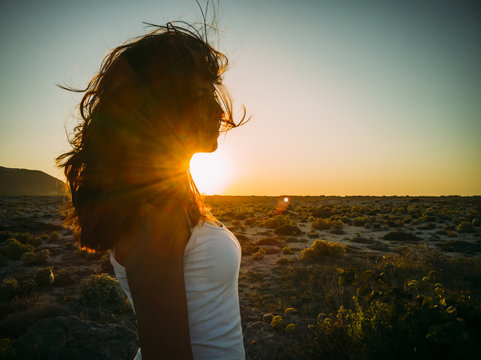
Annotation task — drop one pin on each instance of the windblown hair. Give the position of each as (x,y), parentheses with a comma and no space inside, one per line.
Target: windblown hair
(124,144)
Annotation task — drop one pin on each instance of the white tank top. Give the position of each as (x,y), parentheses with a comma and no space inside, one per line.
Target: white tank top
(211,268)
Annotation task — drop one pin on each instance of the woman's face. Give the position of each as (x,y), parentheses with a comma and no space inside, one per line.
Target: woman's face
(205,117)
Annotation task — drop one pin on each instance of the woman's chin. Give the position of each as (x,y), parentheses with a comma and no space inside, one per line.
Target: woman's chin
(208,148)
(213,147)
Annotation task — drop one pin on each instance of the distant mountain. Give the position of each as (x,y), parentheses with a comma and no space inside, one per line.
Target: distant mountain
(28,182)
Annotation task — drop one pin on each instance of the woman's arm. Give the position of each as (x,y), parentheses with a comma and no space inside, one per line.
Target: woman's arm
(155,273)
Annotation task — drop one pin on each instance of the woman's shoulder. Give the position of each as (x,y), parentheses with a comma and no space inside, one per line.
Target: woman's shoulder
(210,234)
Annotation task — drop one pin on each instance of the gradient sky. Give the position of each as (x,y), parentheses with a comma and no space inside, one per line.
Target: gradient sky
(347,97)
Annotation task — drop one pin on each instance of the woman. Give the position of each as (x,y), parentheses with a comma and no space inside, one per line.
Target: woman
(154,103)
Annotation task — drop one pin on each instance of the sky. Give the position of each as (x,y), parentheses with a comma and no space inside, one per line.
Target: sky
(347,97)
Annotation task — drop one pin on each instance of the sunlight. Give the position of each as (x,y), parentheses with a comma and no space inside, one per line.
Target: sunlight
(211,172)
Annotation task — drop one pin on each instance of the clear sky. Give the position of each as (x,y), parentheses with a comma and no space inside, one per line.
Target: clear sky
(372,97)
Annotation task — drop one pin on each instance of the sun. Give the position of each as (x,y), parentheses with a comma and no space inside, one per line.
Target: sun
(211,172)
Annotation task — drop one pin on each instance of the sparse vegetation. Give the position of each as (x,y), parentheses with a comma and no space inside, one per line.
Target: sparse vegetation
(41,257)
(321,249)
(405,275)
(14,249)
(102,290)
(286,250)
(9,288)
(44,277)
(259,255)
(288,229)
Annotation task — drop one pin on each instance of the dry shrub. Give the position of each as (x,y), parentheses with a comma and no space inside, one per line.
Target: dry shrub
(288,229)
(321,224)
(259,255)
(320,249)
(14,249)
(101,290)
(248,248)
(41,257)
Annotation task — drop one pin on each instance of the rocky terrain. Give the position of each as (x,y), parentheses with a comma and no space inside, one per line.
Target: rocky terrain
(306,262)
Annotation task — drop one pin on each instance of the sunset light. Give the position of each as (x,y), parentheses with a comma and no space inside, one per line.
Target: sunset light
(263,179)
(211,172)
(357,99)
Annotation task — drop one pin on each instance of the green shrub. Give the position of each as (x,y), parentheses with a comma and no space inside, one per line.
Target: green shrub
(28,239)
(64,277)
(287,229)
(421,319)
(259,255)
(290,328)
(290,310)
(44,277)
(275,222)
(360,220)
(286,250)
(24,238)
(277,321)
(323,211)
(321,224)
(465,227)
(337,227)
(41,257)
(28,286)
(9,288)
(54,236)
(101,290)
(248,248)
(320,249)
(13,249)
(236,223)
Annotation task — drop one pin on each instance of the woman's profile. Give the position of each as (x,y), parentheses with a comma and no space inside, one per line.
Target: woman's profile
(155,102)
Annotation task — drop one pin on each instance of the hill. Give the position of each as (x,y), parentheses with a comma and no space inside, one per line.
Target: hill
(14,182)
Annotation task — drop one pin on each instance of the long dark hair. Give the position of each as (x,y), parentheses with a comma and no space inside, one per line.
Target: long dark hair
(130,111)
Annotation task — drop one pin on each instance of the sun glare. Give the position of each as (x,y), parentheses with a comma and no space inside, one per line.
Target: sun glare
(211,172)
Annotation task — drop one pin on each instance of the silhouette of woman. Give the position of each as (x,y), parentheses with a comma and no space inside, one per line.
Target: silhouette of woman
(155,102)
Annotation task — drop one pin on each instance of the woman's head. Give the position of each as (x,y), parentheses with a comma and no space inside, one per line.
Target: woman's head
(155,101)
(155,89)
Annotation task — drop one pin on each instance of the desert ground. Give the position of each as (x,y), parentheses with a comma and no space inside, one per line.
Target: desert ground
(321,277)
